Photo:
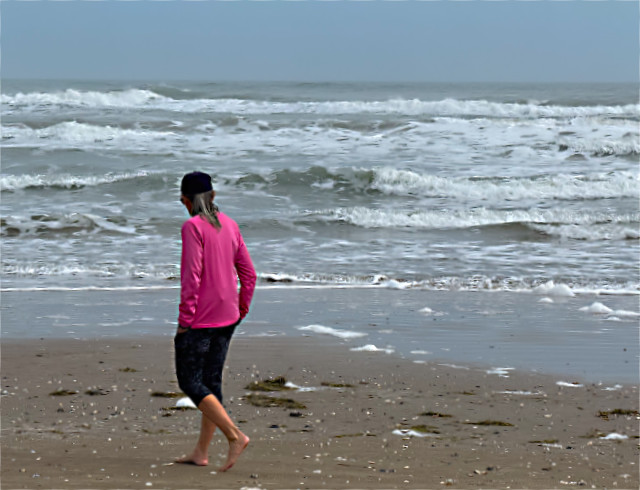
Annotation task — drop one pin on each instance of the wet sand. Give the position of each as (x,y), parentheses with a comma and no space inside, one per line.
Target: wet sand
(87,414)
(487,328)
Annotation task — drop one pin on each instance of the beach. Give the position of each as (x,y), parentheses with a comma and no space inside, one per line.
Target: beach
(101,413)
(110,427)
(447,282)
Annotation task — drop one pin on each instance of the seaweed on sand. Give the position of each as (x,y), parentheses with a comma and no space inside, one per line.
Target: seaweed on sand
(270,401)
(498,423)
(425,429)
(618,411)
(63,392)
(167,394)
(336,385)
(435,414)
(269,384)
(96,391)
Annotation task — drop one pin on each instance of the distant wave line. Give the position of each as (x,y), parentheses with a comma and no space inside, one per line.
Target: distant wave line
(146,99)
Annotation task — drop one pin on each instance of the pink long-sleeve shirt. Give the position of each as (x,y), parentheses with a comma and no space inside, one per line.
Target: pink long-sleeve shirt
(212,261)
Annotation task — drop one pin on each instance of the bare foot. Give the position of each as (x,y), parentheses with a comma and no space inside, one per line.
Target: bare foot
(195,459)
(235,450)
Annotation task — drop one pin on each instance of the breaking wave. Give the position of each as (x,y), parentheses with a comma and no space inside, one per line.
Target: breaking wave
(565,223)
(409,183)
(48,225)
(146,99)
(38,181)
(592,186)
(133,98)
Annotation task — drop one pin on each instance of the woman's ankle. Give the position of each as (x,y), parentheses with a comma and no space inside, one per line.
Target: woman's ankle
(234,434)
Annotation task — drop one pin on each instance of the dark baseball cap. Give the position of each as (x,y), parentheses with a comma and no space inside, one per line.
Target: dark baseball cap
(195,183)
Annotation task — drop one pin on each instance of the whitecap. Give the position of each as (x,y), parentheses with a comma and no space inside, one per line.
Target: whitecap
(392,181)
(136,98)
(15,182)
(329,184)
(538,219)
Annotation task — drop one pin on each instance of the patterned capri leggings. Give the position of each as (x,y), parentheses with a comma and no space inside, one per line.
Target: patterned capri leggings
(200,356)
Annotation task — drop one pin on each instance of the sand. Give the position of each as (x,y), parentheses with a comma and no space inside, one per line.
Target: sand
(377,422)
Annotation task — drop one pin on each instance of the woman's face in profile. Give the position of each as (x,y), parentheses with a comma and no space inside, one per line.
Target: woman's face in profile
(187,203)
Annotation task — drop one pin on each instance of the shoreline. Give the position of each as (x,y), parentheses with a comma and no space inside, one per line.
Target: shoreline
(351,352)
(370,421)
(566,336)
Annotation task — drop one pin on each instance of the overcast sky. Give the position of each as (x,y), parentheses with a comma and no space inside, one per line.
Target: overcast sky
(322,41)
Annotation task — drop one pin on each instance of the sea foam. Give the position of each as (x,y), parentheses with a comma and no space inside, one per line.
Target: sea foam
(597,308)
(614,436)
(500,371)
(342,334)
(372,348)
(412,433)
(565,384)
(551,289)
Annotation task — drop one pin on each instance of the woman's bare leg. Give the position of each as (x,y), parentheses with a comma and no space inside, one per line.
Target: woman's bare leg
(215,412)
(200,455)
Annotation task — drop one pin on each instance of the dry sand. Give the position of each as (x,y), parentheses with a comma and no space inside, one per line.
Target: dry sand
(105,429)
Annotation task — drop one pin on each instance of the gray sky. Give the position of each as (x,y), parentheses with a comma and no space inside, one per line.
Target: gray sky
(322,40)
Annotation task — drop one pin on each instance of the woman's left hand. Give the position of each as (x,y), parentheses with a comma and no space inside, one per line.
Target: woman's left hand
(182,329)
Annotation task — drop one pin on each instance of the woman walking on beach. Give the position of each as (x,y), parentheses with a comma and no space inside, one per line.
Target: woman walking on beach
(214,256)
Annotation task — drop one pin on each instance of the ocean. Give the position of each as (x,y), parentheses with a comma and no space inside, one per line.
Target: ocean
(488,224)
(501,187)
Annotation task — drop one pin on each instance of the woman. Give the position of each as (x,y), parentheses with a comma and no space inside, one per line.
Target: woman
(214,256)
